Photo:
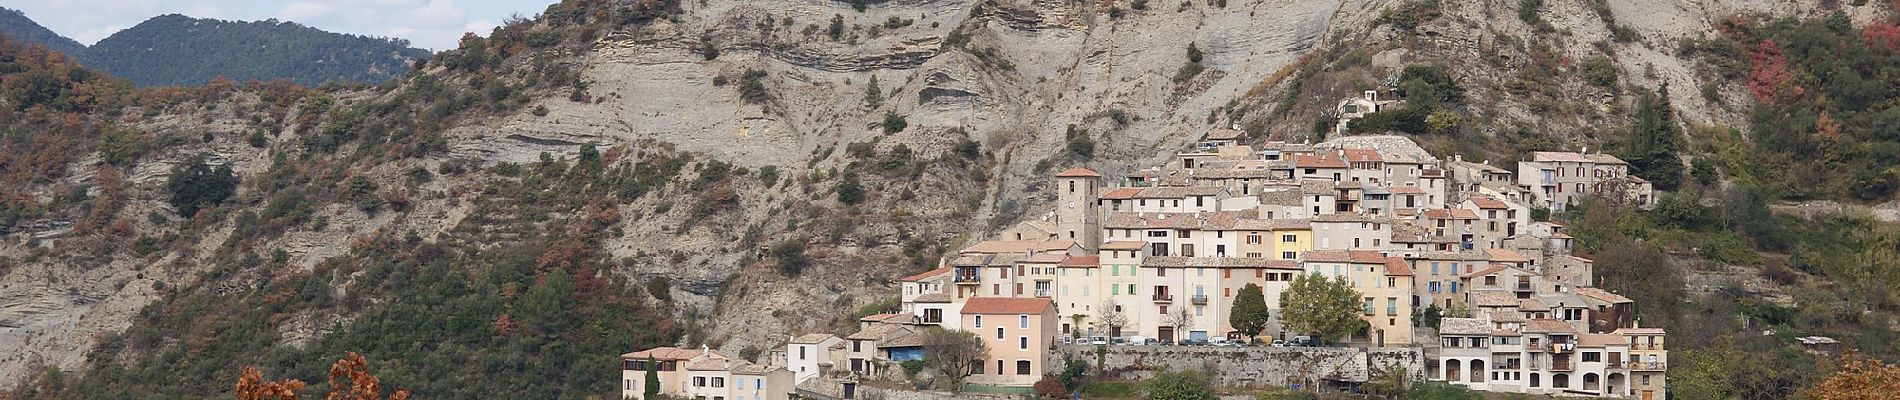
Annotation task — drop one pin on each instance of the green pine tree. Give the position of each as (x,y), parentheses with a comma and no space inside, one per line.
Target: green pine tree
(873,95)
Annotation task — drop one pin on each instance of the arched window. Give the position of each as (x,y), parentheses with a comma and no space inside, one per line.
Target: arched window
(1560,381)
(1022,367)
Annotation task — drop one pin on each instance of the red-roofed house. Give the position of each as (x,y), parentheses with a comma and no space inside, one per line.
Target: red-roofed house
(1019,333)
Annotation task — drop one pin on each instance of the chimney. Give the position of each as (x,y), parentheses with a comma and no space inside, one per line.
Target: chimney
(703,350)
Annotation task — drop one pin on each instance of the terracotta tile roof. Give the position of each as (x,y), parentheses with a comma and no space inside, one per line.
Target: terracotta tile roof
(1407,189)
(933,298)
(1640,331)
(1488,203)
(1545,325)
(1606,159)
(1283,264)
(1492,298)
(1350,217)
(1207,262)
(1532,304)
(709,364)
(1121,194)
(1345,256)
(1596,340)
(1318,186)
(1045,258)
(1362,155)
(1317,161)
(1494,268)
(928,274)
(1506,255)
(1082,261)
(1124,245)
(880,317)
(1395,266)
(669,354)
(1557,156)
(1078,172)
(905,339)
(1453,213)
(1018,246)
(1463,326)
(1280,198)
(1006,305)
(1602,295)
(1505,316)
(814,338)
(1479,166)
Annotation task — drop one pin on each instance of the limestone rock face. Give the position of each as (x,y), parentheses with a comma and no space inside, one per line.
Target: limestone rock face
(1011,75)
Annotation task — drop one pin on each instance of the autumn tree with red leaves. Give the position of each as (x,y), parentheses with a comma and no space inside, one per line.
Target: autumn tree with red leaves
(349,380)
(1770,74)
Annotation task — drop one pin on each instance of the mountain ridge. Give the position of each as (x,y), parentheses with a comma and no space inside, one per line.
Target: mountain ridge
(179,50)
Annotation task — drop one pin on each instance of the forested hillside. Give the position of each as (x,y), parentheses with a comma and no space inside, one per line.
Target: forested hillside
(174,49)
(17,24)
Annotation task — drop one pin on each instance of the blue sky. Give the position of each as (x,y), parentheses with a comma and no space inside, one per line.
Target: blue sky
(430,24)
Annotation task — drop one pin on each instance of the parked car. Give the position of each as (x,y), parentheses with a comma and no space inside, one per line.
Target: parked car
(1098,341)
(1301,341)
(1151,342)
(1119,341)
(1225,343)
(1194,342)
(1279,343)
(1137,340)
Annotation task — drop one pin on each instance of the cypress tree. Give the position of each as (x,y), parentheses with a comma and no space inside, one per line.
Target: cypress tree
(653,380)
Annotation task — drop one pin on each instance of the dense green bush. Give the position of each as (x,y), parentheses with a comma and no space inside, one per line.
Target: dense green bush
(195,185)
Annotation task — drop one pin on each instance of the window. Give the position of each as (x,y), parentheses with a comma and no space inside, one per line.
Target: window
(1289,238)
(1114,289)
(1434,268)
(979,321)
(699,381)
(999,333)
(1368,306)
(1253,239)
(1158,234)
(1288,255)
(718,382)
(1591,356)
(1022,367)
(1022,321)
(1187,234)
(1022,342)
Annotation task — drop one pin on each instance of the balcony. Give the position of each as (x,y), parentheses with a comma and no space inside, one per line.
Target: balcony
(1561,365)
(1042,292)
(1523,286)
(969,279)
(1614,365)
(1199,299)
(1564,347)
(1163,298)
(1648,366)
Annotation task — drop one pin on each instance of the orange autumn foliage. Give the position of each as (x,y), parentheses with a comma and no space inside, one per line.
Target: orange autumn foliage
(349,380)
(1859,378)
(252,386)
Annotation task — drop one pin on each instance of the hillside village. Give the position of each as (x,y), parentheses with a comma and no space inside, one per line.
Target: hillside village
(1452,258)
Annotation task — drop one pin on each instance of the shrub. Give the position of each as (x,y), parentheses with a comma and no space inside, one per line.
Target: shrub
(894,123)
(836,31)
(851,192)
(1051,388)
(1410,14)
(1599,71)
(752,87)
(1188,71)
(1182,385)
(195,185)
(790,255)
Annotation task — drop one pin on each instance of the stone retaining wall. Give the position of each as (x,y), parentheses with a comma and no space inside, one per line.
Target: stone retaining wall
(1252,366)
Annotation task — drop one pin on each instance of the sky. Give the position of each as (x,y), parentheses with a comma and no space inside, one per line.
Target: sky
(428,24)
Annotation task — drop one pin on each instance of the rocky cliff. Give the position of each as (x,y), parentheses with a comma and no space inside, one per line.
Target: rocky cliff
(778,85)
